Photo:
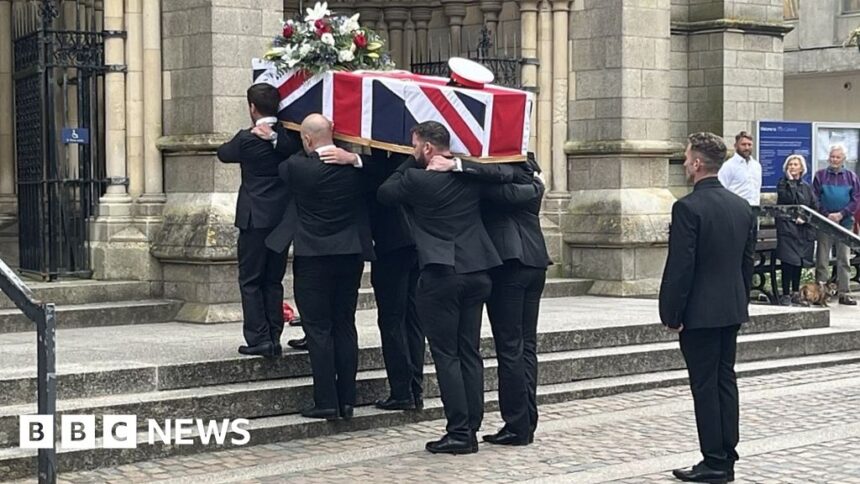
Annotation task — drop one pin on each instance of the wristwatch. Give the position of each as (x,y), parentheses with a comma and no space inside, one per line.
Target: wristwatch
(273,136)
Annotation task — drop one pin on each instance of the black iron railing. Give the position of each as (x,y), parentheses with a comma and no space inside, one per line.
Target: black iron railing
(43,314)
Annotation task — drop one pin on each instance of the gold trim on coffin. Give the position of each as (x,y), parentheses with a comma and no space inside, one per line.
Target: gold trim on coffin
(406,149)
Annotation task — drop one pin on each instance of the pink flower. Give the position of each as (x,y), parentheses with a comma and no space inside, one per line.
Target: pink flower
(322,27)
(288,31)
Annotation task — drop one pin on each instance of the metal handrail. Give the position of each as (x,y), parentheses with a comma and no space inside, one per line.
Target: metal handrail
(817,221)
(44,315)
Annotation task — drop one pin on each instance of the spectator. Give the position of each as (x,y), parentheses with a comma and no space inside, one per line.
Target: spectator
(837,194)
(795,240)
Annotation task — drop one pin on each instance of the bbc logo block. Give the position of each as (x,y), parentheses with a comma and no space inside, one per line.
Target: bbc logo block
(121,432)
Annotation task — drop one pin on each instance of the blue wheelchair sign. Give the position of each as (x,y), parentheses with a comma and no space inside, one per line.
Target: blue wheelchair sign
(77,136)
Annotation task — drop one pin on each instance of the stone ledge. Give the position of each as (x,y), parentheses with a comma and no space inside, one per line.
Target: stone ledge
(621,147)
(728,24)
(192,143)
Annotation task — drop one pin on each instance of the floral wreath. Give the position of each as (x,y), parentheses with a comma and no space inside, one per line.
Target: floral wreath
(322,42)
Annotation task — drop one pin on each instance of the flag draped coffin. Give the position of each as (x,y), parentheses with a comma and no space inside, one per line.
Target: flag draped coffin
(379,108)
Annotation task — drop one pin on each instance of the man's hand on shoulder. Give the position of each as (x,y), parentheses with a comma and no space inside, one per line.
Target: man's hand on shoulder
(264,132)
(339,156)
(675,330)
(441,163)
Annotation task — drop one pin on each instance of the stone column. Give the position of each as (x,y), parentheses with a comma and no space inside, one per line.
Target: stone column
(529,46)
(207,48)
(7,121)
(455,10)
(370,13)
(151,203)
(544,98)
(421,15)
(616,225)
(118,249)
(491,9)
(735,66)
(134,96)
(396,17)
(560,75)
(116,202)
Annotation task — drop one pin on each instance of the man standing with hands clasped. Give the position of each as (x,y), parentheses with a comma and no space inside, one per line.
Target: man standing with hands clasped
(704,297)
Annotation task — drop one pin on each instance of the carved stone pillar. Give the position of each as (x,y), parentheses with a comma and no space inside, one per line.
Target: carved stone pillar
(544,103)
(529,46)
(396,17)
(134,95)
(370,13)
(455,10)
(151,203)
(421,16)
(560,98)
(491,9)
(7,147)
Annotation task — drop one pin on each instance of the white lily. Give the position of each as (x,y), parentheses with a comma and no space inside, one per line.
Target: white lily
(350,25)
(304,50)
(327,39)
(318,11)
(345,56)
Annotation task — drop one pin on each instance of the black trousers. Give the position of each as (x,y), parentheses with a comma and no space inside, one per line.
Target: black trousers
(326,290)
(450,306)
(394,276)
(710,356)
(790,278)
(513,309)
(261,272)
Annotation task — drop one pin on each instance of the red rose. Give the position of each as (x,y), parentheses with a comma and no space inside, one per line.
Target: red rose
(288,31)
(360,41)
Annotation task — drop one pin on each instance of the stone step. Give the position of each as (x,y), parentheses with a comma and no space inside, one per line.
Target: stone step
(290,395)
(83,291)
(97,314)
(83,379)
(16,463)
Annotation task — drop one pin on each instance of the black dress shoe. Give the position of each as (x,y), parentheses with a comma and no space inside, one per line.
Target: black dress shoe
(419,401)
(278,350)
(702,473)
(346,412)
(297,321)
(262,349)
(506,437)
(326,413)
(450,445)
(474,440)
(299,344)
(392,404)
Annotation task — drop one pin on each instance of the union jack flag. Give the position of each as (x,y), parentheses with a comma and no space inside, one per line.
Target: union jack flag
(379,108)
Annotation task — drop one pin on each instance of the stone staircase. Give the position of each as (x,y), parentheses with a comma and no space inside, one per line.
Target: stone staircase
(588,347)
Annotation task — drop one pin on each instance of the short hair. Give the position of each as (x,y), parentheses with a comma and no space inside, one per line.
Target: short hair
(710,148)
(797,157)
(265,97)
(434,133)
(837,147)
(742,135)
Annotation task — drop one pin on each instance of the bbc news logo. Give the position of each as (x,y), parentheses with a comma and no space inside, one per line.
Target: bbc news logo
(120,431)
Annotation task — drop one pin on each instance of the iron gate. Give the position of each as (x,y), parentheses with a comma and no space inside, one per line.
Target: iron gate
(58,77)
(497,59)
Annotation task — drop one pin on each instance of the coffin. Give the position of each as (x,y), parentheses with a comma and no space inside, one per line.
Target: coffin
(379,108)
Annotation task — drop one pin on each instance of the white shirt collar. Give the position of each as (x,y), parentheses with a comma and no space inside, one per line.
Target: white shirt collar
(267,120)
(321,148)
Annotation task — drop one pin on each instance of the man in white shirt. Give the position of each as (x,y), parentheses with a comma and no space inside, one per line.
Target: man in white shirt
(741,174)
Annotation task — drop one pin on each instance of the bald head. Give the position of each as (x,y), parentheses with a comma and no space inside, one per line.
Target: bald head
(316,131)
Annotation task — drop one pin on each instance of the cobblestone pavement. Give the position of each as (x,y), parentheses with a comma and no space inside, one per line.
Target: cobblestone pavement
(795,427)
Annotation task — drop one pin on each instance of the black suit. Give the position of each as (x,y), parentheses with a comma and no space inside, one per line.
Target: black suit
(705,288)
(394,275)
(259,208)
(518,284)
(454,253)
(331,242)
